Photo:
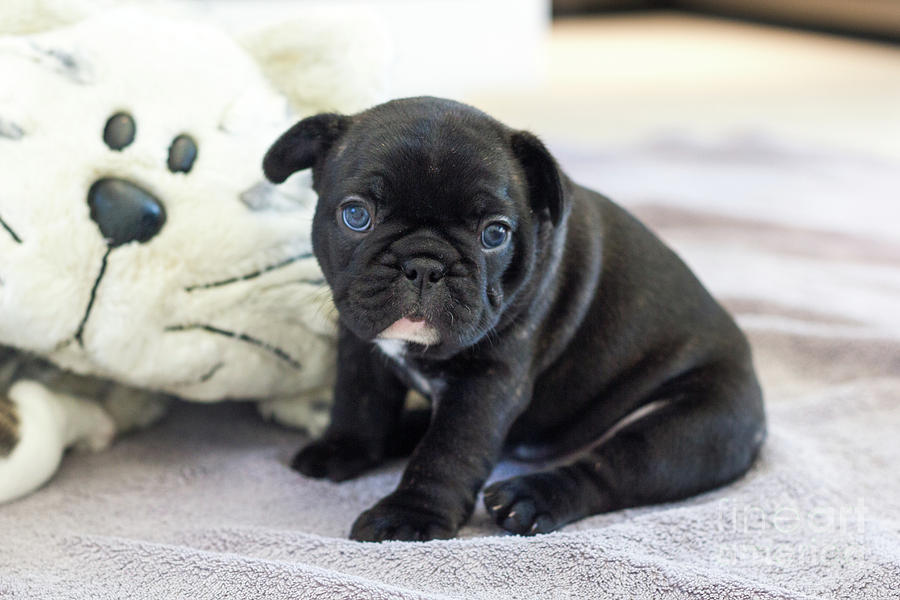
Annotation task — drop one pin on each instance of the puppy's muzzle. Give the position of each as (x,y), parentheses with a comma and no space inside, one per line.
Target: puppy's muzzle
(423,272)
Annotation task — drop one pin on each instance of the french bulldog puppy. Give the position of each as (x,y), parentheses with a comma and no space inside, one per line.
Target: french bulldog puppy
(542,320)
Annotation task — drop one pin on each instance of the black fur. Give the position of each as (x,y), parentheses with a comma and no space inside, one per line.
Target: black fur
(300,145)
(548,346)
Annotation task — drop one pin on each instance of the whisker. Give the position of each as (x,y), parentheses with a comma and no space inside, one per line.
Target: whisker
(87,313)
(254,275)
(10,231)
(280,284)
(324,304)
(202,379)
(243,337)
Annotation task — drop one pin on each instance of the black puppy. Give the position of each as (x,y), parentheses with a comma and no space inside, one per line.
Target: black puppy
(540,319)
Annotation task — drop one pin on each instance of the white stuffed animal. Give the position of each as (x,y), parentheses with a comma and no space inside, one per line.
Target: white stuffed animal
(140,249)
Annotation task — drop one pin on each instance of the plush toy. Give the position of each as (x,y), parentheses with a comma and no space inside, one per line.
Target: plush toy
(142,254)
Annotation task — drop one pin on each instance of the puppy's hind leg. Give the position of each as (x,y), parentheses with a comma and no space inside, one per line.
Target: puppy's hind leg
(706,431)
(36,425)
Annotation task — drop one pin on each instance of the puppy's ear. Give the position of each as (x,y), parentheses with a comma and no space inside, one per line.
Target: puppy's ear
(544,179)
(300,146)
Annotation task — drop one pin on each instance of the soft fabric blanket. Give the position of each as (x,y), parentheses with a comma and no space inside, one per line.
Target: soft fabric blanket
(801,245)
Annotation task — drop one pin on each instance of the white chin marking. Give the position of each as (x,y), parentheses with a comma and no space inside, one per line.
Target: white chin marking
(396,349)
(407,330)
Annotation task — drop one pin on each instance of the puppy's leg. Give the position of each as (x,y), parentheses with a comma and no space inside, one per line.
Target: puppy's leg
(707,431)
(450,464)
(37,425)
(410,429)
(368,400)
(312,415)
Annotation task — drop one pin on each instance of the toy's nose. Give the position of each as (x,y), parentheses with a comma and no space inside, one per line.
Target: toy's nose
(124,211)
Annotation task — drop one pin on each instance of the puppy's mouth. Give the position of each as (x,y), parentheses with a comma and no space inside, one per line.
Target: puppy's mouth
(412,329)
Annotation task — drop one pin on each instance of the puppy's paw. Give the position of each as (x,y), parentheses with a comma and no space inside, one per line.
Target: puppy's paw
(397,517)
(337,459)
(520,506)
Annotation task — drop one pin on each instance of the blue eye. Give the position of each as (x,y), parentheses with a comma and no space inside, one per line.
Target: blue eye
(494,235)
(356,216)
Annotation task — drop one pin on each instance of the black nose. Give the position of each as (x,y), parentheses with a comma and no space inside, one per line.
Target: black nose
(423,271)
(125,212)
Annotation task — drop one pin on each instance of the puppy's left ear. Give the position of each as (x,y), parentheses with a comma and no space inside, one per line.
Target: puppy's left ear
(545,185)
(301,146)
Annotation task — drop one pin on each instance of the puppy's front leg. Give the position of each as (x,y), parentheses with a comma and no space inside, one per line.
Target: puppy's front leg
(450,464)
(368,399)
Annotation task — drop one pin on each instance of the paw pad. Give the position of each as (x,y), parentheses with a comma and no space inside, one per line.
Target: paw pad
(517,509)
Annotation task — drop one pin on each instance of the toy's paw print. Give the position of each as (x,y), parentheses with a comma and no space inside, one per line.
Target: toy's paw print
(337,459)
(396,517)
(521,505)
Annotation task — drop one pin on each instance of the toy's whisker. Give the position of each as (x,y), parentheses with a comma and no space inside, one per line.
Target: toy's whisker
(10,231)
(243,337)
(87,313)
(253,275)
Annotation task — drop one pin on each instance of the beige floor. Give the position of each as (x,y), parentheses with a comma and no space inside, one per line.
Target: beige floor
(622,79)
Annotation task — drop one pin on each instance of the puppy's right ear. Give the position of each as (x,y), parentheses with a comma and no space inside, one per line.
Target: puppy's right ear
(300,146)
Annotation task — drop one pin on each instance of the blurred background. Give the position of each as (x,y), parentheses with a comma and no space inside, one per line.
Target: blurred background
(819,72)
(759,138)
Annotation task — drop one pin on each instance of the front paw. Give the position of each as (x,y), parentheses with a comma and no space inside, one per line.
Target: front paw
(399,517)
(337,459)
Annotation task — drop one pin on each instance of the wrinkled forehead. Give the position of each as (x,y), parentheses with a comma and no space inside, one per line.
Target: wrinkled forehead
(436,165)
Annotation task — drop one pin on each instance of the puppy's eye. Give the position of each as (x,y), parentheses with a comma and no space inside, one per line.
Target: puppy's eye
(356,216)
(494,235)
(119,131)
(182,154)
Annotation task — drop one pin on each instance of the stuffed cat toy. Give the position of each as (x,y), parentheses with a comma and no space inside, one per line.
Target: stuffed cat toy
(142,254)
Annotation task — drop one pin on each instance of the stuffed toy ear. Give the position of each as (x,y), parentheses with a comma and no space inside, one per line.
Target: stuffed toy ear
(301,146)
(32,16)
(542,173)
(324,61)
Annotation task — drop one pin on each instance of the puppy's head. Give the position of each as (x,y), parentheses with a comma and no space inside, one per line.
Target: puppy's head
(430,220)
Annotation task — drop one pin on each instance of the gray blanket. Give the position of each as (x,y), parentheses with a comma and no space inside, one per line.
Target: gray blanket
(802,246)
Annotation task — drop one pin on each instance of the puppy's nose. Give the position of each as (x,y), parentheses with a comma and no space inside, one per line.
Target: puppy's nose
(423,271)
(124,211)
